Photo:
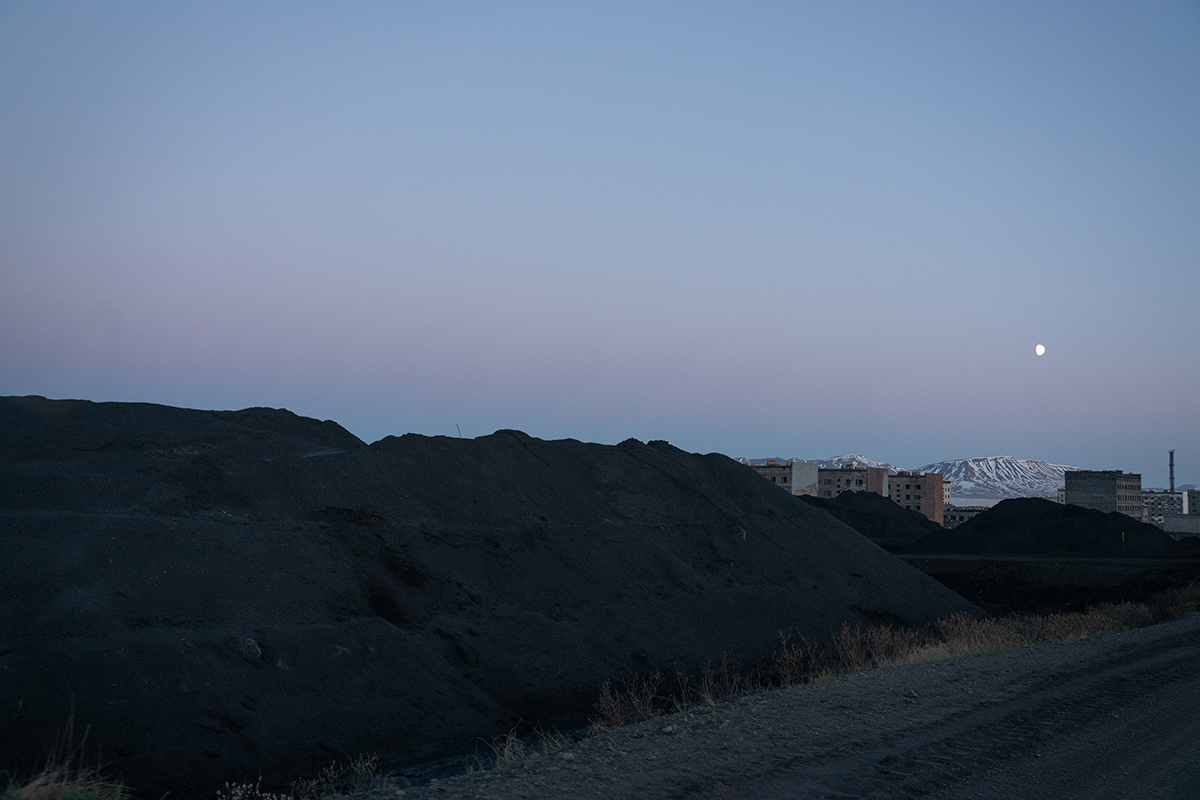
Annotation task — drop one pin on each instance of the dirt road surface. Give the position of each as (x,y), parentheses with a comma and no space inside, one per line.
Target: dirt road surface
(1111,717)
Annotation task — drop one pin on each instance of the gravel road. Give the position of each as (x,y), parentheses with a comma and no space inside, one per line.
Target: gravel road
(1114,716)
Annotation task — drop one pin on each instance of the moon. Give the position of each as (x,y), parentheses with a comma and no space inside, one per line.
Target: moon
(1041,351)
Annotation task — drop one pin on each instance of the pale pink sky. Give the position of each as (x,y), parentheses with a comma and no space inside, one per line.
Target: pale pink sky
(758,230)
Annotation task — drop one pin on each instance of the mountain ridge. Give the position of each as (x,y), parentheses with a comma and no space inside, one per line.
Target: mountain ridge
(1001,476)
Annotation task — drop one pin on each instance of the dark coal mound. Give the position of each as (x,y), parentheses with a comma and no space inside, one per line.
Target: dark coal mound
(879,519)
(1032,526)
(223,595)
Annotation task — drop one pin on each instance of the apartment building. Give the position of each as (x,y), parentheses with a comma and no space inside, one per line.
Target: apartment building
(1106,490)
(920,493)
(953,516)
(794,477)
(832,482)
(1164,504)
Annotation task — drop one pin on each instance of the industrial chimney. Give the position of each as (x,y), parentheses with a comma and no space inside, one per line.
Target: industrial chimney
(1172,472)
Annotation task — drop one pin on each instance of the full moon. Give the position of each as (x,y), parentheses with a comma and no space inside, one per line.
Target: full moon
(1039,350)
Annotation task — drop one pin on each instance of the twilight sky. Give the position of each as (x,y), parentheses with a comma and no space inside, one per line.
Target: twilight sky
(759,229)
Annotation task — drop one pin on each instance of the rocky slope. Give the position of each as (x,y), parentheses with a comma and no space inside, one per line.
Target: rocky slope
(223,595)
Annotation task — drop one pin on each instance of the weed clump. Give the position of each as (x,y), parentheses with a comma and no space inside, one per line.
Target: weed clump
(632,700)
(65,777)
(509,748)
(342,777)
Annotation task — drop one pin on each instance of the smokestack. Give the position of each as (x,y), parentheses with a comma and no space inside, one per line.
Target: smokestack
(1172,472)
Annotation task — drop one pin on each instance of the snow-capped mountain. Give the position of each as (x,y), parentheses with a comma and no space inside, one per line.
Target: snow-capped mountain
(856,460)
(834,462)
(1001,476)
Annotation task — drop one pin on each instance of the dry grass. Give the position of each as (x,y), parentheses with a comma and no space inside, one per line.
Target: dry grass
(66,785)
(361,774)
(247,791)
(633,700)
(65,777)
(343,777)
(510,748)
(856,649)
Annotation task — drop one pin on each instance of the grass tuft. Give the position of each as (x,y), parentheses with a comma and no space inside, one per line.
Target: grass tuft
(64,776)
(342,777)
(633,700)
(509,748)
(361,774)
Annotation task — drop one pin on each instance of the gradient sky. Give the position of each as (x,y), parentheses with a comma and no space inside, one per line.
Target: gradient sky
(758,229)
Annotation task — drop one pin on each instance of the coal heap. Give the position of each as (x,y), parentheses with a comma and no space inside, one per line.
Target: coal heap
(1033,526)
(880,519)
(224,595)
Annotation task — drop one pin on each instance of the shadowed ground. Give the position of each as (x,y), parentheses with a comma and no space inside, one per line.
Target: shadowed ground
(1110,717)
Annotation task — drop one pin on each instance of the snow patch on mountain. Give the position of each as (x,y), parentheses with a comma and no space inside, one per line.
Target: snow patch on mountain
(1001,476)
(834,462)
(856,460)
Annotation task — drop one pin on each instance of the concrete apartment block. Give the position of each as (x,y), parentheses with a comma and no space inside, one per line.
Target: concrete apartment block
(953,516)
(1106,490)
(805,475)
(777,472)
(794,477)
(832,482)
(917,492)
(1164,504)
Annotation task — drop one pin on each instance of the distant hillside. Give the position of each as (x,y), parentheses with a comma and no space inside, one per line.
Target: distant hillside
(1001,476)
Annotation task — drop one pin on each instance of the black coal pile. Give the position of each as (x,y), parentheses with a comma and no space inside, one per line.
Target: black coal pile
(880,519)
(1032,526)
(224,595)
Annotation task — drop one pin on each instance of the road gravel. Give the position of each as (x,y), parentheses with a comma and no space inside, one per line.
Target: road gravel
(1113,716)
